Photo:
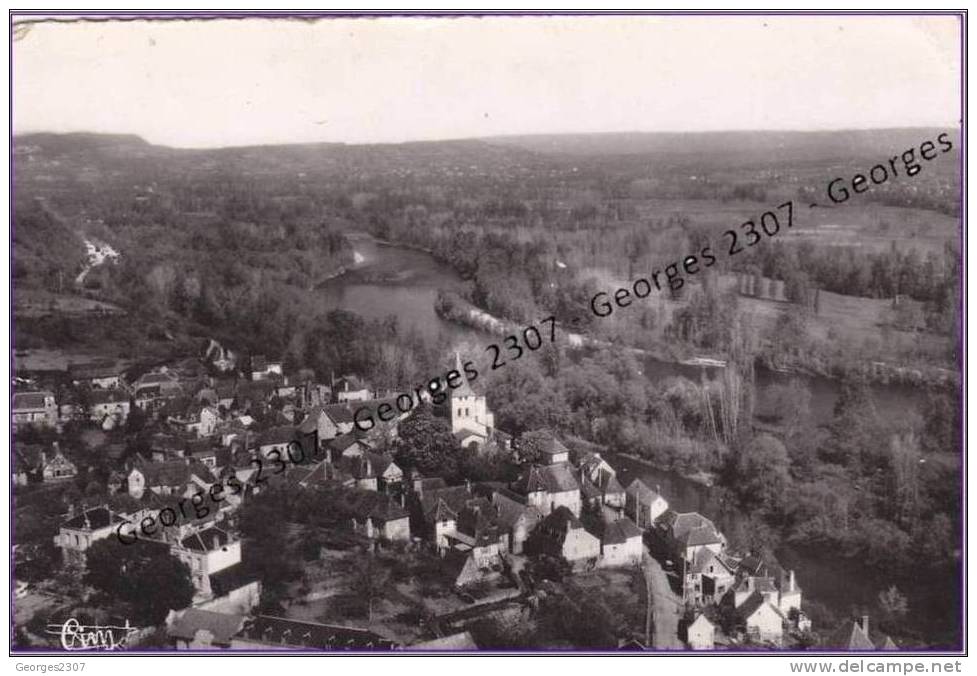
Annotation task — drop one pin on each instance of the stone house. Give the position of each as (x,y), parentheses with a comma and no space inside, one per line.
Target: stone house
(643,504)
(34,408)
(562,534)
(621,544)
(79,532)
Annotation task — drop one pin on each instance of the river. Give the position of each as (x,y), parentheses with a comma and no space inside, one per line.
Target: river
(394,280)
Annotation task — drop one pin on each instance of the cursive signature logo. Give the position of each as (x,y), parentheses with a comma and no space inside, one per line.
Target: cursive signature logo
(77,636)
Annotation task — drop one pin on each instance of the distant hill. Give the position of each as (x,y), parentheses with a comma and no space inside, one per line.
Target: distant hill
(774,145)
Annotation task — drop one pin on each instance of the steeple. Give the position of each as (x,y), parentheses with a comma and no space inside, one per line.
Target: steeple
(463,390)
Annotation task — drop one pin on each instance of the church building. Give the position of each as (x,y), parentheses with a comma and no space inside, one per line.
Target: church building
(471,421)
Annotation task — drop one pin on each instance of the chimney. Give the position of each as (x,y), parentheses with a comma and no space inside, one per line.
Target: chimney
(793,582)
(215,542)
(468,485)
(865,624)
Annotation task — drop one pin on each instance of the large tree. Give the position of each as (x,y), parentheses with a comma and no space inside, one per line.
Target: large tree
(143,574)
(426,444)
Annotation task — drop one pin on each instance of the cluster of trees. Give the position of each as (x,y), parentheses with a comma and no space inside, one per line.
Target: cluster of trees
(932,279)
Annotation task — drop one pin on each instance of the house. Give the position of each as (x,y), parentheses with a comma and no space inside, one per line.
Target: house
(276,439)
(708,578)
(700,633)
(643,504)
(858,635)
(357,471)
(762,621)
(593,465)
(34,463)
(516,520)
(262,369)
(327,422)
(167,478)
(389,476)
(758,571)
(349,446)
(109,407)
(201,422)
(611,491)
(548,487)
(165,383)
(100,374)
(164,447)
(438,508)
(562,534)
(376,515)
(469,412)
(462,568)
(235,589)
(684,534)
(621,544)
(552,451)
(34,408)
(350,388)
(149,398)
(79,532)
(207,552)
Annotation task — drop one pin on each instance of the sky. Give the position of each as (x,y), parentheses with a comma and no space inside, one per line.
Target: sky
(262,81)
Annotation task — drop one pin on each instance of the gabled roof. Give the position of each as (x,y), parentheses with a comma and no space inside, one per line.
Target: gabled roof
(639,489)
(339,413)
(345,441)
(751,605)
(851,635)
(279,631)
(589,490)
(377,506)
(454,497)
(552,446)
(547,478)
(276,435)
(223,582)
(561,520)
(509,511)
(691,528)
(93,519)
(620,531)
(186,623)
(156,379)
(28,401)
(174,473)
(352,383)
(751,583)
(705,558)
(609,484)
(206,540)
(380,461)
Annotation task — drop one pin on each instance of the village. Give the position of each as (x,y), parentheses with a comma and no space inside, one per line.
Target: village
(433,562)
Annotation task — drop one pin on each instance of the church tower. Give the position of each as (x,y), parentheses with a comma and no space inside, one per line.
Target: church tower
(469,412)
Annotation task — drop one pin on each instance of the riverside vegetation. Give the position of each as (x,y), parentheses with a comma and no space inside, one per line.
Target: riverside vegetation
(231,243)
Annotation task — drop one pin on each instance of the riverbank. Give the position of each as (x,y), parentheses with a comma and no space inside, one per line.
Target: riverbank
(702,477)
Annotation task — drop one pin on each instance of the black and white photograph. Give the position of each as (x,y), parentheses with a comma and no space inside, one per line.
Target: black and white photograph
(457,332)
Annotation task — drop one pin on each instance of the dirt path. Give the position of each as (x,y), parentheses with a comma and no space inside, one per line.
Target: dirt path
(666,606)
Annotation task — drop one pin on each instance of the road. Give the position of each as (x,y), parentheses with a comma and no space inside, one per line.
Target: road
(666,606)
